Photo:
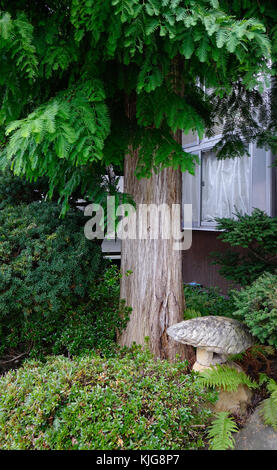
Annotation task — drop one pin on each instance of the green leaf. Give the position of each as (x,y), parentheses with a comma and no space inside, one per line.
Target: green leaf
(187,46)
(220,432)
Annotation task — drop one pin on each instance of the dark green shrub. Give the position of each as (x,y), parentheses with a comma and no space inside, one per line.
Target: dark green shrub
(206,301)
(53,294)
(256,306)
(95,322)
(15,190)
(258,234)
(128,402)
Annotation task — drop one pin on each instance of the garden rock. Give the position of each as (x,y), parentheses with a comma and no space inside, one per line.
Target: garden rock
(237,401)
(256,435)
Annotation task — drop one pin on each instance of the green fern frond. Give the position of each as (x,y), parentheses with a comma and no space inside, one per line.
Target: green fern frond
(268,409)
(263,379)
(265,350)
(237,357)
(225,377)
(269,412)
(187,46)
(64,126)
(272,388)
(220,432)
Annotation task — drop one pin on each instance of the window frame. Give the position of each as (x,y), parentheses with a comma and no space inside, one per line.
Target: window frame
(206,144)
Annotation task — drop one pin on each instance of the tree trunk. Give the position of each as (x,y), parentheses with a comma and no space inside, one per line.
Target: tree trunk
(154,290)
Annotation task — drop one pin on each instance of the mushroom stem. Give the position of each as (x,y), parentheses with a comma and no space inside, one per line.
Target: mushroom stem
(203,358)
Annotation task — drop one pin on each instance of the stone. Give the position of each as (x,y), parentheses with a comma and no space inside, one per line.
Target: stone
(255,435)
(215,338)
(237,401)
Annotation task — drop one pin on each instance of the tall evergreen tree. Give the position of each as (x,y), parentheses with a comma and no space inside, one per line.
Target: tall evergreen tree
(85,84)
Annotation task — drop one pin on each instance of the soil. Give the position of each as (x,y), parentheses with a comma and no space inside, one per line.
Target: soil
(11,361)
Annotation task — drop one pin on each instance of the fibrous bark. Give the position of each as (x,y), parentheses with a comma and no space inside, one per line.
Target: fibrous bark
(154,290)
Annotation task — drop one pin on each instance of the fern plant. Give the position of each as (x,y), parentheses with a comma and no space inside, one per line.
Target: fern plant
(226,378)
(220,433)
(268,409)
(255,351)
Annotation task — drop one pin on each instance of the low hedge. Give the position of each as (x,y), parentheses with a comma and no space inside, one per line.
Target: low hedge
(127,402)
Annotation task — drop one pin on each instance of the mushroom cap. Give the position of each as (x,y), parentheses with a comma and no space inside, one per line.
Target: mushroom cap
(221,335)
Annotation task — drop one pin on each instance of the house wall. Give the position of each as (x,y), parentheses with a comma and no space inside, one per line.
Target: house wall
(196,261)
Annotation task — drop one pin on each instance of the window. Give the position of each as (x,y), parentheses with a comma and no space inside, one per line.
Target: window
(225,187)
(220,188)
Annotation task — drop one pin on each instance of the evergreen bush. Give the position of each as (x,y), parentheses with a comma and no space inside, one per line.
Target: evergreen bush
(16,190)
(256,233)
(55,295)
(256,306)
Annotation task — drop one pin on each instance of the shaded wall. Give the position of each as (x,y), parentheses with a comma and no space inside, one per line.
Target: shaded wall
(196,261)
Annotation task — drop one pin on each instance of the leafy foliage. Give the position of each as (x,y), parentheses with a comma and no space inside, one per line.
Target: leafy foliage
(220,432)
(130,401)
(245,116)
(256,233)
(225,377)
(55,295)
(256,306)
(249,115)
(269,406)
(207,301)
(259,349)
(191,313)
(16,190)
(17,38)
(84,82)
(255,359)
(68,131)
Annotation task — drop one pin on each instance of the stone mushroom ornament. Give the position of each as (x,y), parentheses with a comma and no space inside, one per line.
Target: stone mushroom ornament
(214,337)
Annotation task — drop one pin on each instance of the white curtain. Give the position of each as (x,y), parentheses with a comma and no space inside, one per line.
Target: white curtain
(225,186)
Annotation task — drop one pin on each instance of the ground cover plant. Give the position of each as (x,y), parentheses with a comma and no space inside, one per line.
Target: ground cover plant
(131,401)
